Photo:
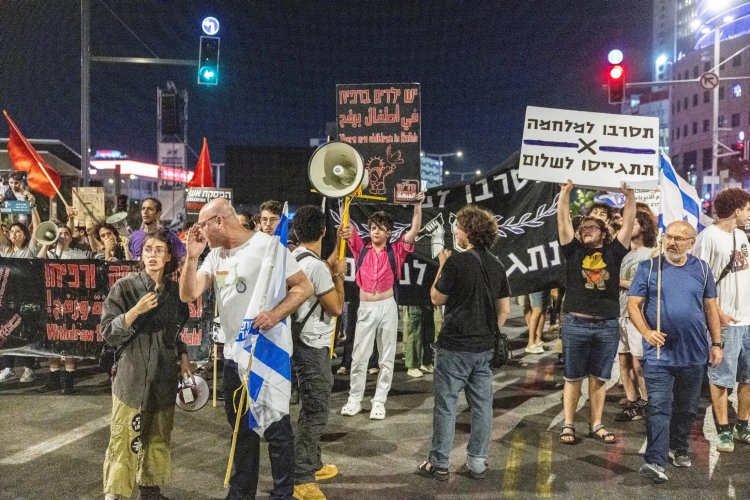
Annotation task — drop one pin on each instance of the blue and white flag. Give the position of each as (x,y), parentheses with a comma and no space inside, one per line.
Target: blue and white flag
(269,379)
(679,200)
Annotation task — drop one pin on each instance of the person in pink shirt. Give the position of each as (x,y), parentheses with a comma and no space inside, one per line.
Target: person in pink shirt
(377,317)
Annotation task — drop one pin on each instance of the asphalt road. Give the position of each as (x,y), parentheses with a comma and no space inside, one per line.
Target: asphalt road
(52,446)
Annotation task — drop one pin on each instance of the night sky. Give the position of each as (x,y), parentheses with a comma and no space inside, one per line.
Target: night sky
(480,64)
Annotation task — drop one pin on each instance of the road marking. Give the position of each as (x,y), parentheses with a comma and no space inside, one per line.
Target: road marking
(544,475)
(57,442)
(709,432)
(510,475)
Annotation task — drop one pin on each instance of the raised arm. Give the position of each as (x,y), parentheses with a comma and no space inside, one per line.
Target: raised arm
(192,282)
(564,223)
(628,218)
(416,221)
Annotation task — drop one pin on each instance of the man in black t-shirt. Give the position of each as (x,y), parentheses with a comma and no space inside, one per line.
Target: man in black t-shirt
(590,331)
(465,282)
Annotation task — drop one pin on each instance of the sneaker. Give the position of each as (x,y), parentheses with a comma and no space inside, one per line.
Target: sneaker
(308,491)
(342,371)
(725,442)
(653,471)
(326,472)
(373,370)
(680,458)
(6,374)
(632,411)
(28,375)
(535,349)
(427,369)
(414,372)
(378,411)
(351,408)
(741,434)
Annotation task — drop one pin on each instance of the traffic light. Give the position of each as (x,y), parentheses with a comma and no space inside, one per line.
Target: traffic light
(208,61)
(616,77)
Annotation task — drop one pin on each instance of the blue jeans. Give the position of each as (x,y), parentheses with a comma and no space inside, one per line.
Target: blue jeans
(456,371)
(673,394)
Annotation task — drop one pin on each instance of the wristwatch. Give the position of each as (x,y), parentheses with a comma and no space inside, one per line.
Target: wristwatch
(720,345)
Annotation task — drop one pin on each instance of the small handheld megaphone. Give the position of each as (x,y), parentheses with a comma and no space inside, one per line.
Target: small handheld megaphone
(336,169)
(119,221)
(46,233)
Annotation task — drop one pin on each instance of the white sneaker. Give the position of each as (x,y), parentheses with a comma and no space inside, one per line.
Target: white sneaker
(536,349)
(342,371)
(28,375)
(6,374)
(378,411)
(414,372)
(373,370)
(426,369)
(351,408)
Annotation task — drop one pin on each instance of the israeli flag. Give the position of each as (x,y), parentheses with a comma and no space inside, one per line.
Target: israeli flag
(269,378)
(679,200)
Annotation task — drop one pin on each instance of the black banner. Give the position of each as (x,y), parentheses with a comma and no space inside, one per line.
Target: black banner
(53,308)
(526,212)
(382,121)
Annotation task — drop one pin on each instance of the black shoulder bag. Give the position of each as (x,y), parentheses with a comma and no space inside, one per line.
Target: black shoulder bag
(297,327)
(729,265)
(502,352)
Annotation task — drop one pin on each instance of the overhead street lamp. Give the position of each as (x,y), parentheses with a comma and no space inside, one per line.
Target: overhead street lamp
(465,175)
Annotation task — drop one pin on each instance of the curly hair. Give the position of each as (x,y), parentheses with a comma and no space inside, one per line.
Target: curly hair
(479,225)
(729,200)
(112,228)
(309,223)
(607,235)
(380,219)
(602,206)
(648,229)
(158,235)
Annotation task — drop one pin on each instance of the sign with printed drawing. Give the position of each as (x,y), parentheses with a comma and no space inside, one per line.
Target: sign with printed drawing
(597,150)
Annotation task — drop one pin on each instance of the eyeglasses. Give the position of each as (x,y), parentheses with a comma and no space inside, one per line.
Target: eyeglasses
(269,220)
(155,250)
(201,225)
(590,228)
(676,239)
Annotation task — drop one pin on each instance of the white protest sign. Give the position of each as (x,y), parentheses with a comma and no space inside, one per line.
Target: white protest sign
(598,150)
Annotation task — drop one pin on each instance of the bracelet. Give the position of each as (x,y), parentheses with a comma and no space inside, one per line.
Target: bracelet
(339,275)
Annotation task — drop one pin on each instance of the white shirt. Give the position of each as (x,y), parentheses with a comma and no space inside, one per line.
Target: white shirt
(318,329)
(234,273)
(714,245)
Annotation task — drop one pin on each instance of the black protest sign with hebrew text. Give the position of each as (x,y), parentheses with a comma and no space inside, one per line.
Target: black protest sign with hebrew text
(383,123)
(526,215)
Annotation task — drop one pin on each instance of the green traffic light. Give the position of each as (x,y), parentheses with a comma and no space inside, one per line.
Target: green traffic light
(208,74)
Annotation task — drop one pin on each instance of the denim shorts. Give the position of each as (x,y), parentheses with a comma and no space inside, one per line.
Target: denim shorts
(735,365)
(589,347)
(536,300)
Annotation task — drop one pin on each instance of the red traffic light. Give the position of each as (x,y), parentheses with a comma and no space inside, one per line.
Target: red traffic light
(616,72)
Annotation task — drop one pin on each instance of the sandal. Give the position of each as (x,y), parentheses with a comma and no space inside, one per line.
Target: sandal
(602,438)
(426,469)
(564,437)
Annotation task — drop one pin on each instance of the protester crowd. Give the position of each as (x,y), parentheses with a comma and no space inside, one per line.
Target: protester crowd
(669,319)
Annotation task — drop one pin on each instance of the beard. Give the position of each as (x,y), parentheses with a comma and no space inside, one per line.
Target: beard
(674,256)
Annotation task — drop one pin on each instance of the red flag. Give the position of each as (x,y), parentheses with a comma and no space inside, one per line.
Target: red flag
(24,157)
(202,177)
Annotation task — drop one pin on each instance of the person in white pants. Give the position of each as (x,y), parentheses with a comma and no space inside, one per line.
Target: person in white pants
(379,268)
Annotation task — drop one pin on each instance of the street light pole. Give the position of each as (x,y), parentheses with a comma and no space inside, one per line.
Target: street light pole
(715,118)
